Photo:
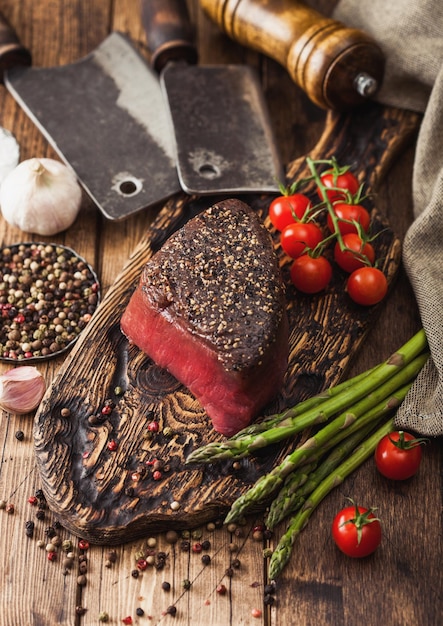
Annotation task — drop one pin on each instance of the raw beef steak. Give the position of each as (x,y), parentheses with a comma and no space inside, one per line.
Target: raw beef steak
(210,308)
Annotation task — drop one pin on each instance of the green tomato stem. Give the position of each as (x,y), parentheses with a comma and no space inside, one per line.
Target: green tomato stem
(315,175)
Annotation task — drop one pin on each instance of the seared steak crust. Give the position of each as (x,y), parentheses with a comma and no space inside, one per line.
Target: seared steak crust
(210,308)
(219,278)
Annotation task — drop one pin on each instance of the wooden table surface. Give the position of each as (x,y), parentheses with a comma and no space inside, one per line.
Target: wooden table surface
(401,584)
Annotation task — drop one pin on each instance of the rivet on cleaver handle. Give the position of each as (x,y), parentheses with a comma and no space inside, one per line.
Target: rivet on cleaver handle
(224,139)
(105,117)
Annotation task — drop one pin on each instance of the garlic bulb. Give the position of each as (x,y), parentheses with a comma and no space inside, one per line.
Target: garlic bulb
(40,196)
(21,389)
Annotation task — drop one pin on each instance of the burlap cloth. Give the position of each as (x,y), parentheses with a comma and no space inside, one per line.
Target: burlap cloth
(410,32)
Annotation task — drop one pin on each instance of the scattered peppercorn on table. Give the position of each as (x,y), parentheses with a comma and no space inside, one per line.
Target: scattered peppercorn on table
(214,574)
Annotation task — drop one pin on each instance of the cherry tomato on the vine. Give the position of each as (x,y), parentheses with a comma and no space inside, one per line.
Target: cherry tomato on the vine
(357,253)
(398,455)
(311,274)
(347,215)
(367,286)
(298,237)
(285,210)
(356,531)
(335,181)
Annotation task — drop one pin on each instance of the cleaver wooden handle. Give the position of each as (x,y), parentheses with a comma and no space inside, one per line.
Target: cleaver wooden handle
(168,31)
(12,52)
(338,67)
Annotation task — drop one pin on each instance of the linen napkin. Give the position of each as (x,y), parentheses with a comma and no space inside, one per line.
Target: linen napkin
(410,32)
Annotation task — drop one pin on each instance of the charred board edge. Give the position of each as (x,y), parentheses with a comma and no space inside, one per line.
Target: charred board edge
(324,346)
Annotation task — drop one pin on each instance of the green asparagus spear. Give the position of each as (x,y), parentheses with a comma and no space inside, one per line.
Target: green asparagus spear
(265,486)
(282,553)
(237,448)
(274,420)
(292,495)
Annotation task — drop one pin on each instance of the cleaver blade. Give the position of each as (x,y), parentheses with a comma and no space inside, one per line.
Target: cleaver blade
(105,117)
(223,134)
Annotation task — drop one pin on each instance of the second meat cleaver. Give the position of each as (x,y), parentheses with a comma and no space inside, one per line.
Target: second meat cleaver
(223,134)
(105,117)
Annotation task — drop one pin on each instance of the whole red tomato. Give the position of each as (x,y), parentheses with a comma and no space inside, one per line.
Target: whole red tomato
(348,215)
(285,210)
(367,286)
(311,274)
(338,181)
(357,253)
(398,455)
(356,531)
(298,237)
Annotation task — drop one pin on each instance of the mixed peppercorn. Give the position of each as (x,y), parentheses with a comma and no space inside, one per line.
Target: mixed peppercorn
(47,296)
(148,557)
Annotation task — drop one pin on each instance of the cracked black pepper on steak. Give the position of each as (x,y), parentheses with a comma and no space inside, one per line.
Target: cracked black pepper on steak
(216,276)
(210,308)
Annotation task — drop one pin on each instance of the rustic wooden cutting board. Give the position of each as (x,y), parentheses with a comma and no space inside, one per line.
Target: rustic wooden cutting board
(110,496)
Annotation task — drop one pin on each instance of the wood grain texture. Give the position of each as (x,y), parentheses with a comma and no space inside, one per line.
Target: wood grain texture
(401,585)
(322,55)
(92,489)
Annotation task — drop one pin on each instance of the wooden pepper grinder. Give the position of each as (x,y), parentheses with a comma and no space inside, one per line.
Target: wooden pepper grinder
(12,53)
(338,67)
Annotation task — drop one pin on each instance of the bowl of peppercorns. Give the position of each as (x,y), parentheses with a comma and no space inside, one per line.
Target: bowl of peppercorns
(48,294)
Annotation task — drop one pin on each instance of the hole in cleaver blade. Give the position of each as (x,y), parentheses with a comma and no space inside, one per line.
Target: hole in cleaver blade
(224,137)
(105,117)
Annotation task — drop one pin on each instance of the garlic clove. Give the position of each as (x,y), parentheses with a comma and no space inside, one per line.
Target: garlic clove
(21,389)
(9,153)
(41,196)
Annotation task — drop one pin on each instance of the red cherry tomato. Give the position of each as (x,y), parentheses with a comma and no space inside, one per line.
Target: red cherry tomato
(347,215)
(285,210)
(335,181)
(356,531)
(298,237)
(350,259)
(398,455)
(311,274)
(367,286)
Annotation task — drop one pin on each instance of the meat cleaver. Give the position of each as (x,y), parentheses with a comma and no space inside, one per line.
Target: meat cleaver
(105,117)
(224,140)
